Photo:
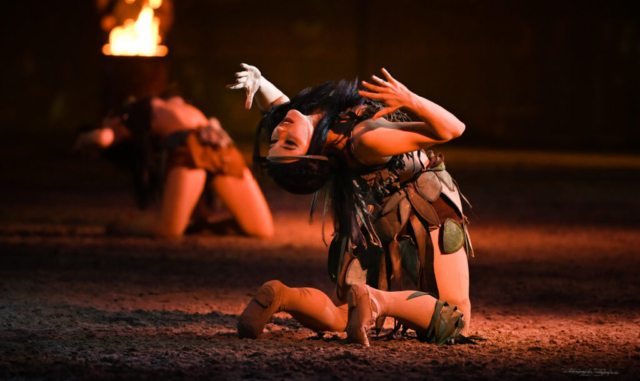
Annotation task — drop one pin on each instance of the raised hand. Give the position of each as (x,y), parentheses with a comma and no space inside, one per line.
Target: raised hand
(249,79)
(394,94)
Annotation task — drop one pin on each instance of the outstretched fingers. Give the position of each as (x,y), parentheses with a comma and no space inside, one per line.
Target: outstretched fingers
(241,81)
(251,70)
(372,87)
(243,78)
(381,81)
(248,79)
(386,74)
(393,93)
(371,95)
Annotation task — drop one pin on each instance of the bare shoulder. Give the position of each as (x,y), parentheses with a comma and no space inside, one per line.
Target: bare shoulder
(366,139)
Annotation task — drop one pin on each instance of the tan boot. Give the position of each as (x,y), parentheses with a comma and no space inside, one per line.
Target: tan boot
(259,310)
(364,309)
(433,320)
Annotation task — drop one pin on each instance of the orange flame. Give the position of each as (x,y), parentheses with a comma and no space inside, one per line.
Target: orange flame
(137,38)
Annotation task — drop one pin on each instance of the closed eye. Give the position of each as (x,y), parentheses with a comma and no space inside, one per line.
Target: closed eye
(291,143)
(272,142)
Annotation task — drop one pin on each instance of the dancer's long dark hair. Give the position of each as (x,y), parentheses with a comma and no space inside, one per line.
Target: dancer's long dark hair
(307,176)
(329,99)
(136,154)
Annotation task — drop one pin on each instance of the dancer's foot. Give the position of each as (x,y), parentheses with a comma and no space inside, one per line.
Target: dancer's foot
(364,309)
(260,309)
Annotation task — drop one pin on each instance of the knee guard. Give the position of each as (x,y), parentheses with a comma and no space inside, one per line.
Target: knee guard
(446,325)
(452,237)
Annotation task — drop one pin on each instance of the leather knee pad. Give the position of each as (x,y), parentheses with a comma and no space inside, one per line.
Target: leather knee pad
(452,237)
(446,325)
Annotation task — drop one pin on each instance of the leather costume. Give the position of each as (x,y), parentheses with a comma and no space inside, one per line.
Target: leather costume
(207,147)
(397,207)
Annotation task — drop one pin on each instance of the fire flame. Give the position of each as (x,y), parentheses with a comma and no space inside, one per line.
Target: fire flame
(137,38)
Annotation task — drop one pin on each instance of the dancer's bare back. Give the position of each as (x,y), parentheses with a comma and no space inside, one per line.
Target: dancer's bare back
(174,114)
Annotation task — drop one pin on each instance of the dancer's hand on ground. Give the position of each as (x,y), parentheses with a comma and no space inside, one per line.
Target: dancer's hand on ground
(249,79)
(394,94)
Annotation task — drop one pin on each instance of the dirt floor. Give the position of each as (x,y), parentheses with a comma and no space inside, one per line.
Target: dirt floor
(554,286)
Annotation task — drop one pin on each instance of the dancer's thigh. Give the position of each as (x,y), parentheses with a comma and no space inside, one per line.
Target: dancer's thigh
(245,201)
(182,189)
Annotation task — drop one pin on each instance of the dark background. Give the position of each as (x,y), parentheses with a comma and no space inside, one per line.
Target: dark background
(544,75)
(548,91)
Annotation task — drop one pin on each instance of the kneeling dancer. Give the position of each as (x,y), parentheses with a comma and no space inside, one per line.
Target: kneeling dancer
(170,144)
(394,207)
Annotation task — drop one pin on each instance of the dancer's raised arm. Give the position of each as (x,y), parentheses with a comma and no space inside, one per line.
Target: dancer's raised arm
(255,84)
(379,138)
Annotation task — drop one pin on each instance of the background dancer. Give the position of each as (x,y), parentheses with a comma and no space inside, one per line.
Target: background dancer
(172,142)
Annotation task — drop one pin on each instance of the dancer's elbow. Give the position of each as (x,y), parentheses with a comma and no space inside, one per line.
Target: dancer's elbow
(457,130)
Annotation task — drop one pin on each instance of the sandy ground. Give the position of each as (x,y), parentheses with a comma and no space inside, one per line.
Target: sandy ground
(554,284)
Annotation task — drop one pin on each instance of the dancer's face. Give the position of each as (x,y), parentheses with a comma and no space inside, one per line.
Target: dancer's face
(293,135)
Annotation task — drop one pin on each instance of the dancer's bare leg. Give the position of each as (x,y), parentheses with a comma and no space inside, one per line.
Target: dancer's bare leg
(311,307)
(452,277)
(182,189)
(245,201)
(413,309)
(366,304)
